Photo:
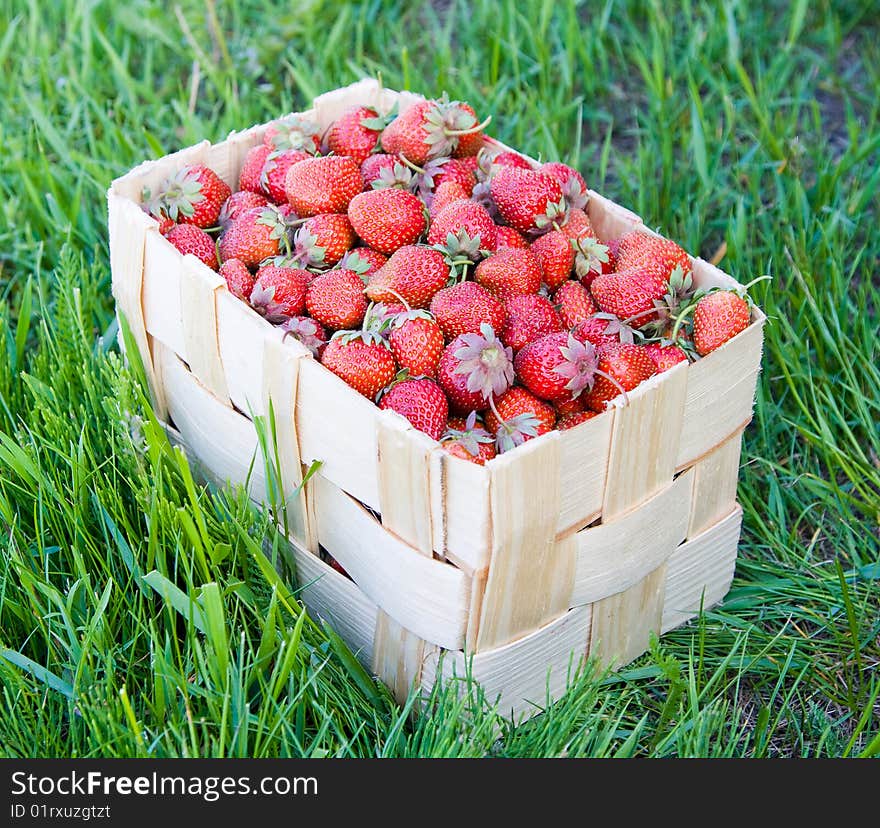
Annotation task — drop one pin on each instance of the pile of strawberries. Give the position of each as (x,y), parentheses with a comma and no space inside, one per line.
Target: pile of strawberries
(461,286)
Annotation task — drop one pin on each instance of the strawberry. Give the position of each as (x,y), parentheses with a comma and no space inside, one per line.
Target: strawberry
(237,203)
(239,279)
(307,331)
(577,225)
(527,200)
(468,440)
(604,329)
(529,317)
(445,170)
(508,237)
(633,294)
(556,255)
(188,238)
(509,158)
(637,248)
(574,188)
(430,129)
(361,359)
(665,356)
(254,236)
(387,219)
(510,272)
(323,185)
(518,416)
(719,316)
(417,343)
(413,274)
(464,307)
(323,240)
(293,132)
(621,368)
(356,133)
(193,195)
(463,229)
(574,303)
(280,292)
(380,171)
(252,168)
(574,419)
(591,259)
(273,176)
(363,260)
(444,195)
(558,366)
(570,405)
(473,368)
(422,402)
(336,299)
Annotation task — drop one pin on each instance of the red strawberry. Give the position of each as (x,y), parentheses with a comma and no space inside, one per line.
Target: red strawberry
(445,170)
(529,317)
(574,303)
(719,316)
(574,188)
(323,185)
(293,132)
(631,294)
(508,158)
(623,367)
(558,366)
(239,279)
(280,292)
(464,307)
(252,168)
(417,343)
(356,133)
(444,195)
(591,259)
(463,228)
(414,273)
(665,356)
(237,203)
(468,440)
(603,329)
(512,429)
(422,402)
(577,224)
(380,171)
(254,236)
(363,260)
(527,200)
(637,248)
(556,255)
(188,238)
(323,240)
(473,368)
(430,129)
(336,299)
(273,176)
(360,359)
(571,405)
(510,272)
(508,237)
(307,331)
(574,419)
(387,219)
(193,195)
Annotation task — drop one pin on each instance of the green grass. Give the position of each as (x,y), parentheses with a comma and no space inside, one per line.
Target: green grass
(138,615)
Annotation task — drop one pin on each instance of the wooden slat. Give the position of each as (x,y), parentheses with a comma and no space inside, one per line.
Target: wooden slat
(280,374)
(583,465)
(720,394)
(226,157)
(530,574)
(163,312)
(520,677)
(715,479)
(610,220)
(614,556)
(398,656)
(644,443)
(427,597)
(623,623)
(699,572)
(466,513)
(129,227)
(198,289)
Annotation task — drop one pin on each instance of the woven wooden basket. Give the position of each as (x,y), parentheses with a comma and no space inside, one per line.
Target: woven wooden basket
(578,542)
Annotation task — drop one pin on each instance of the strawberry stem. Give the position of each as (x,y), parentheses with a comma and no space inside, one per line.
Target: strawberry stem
(410,164)
(471,131)
(616,384)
